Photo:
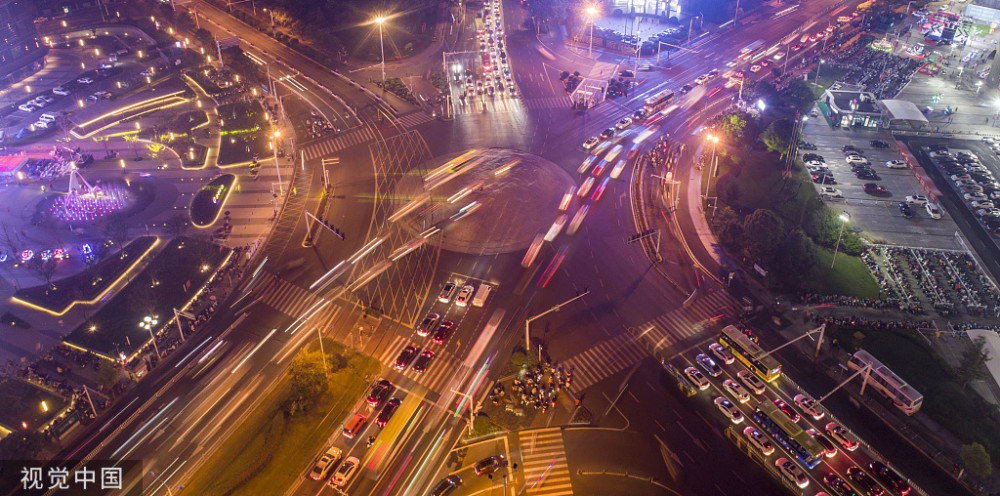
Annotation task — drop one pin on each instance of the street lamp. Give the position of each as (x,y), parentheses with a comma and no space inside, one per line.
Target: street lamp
(821,61)
(591,12)
(380,21)
(275,147)
(135,148)
(844,219)
(148,323)
(715,140)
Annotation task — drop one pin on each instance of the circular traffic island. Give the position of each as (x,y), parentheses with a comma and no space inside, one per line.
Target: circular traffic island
(497,203)
(207,203)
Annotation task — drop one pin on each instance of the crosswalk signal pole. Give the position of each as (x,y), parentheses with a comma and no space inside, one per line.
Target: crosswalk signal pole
(527,323)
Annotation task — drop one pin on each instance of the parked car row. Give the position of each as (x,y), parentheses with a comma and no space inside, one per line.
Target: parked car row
(975,183)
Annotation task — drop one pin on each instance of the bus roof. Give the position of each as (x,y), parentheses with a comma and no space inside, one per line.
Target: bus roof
(734,334)
(793,430)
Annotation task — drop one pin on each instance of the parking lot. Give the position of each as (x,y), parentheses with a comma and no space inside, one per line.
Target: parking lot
(877,216)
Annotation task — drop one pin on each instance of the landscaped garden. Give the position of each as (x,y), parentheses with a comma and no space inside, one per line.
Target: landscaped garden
(166,283)
(22,402)
(209,200)
(90,284)
(244,132)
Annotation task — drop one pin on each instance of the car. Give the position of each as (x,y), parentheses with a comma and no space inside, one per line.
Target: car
(427,324)
(447,292)
(446,486)
(608,133)
(916,199)
(624,123)
(812,156)
(27,107)
(792,472)
(696,378)
(59,90)
(874,189)
(905,210)
(841,435)
(820,34)
(758,440)
(864,482)
(890,478)
(933,211)
(815,163)
(831,450)
(765,63)
(729,409)
(465,295)
(751,381)
(838,485)
(345,471)
(831,192)
(787,410)
(809,406)
(849,148)
(708,365)
(85,80)
(813,37)
(686,88)
(823,179)
(591,143)
(378,393)
(444,332)
(738,391)
(977,204)
(988,212)
(422,361)
(796,47)
(721,353)
(867,174)
(405,357)
(325,463)
(638,114)
(701,79)
(975,197)
(961,176)
(755,68)
(387,412)
(878,144)
(855,159)
(489,465)
(896,164)
(42,124)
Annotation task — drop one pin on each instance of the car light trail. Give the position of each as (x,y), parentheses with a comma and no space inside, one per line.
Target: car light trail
(465,211)
(371,245)
(642,136)
(462,193)
(372,272)
(145,426)
(301,321)
(409,207)
(332,272)
(506,167)
(430,231)
(195,350)
(551,269)
(448,167)
(471,390)
(238,365)
(540,477)
(402,251)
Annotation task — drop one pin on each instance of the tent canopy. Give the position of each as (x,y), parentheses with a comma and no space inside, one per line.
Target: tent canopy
(902,110)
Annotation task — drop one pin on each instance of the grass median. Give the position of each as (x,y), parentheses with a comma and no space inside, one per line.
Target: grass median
(271,447)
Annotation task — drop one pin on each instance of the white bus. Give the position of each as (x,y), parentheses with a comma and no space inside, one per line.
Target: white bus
(536,246)
(481,294)
(886,382)
(657,102)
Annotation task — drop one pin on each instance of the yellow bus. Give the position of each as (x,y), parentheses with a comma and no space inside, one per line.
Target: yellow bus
(748,352)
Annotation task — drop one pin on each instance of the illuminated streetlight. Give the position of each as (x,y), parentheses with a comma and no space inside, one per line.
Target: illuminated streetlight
(148,323)
(381,20)
(276,168)
(591,12)
(711,164)
(79,102)
(844,219)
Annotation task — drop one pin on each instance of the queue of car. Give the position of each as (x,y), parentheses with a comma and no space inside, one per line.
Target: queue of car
(495,76)
(832,437)
(973,182)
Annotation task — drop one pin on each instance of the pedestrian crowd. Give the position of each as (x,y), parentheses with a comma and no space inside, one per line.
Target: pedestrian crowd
(538,387)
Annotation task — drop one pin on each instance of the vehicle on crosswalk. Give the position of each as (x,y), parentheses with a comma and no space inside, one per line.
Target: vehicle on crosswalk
(405,357)
(422,361)
(427,324)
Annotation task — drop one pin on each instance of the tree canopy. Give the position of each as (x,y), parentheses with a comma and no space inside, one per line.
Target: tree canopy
(777,136)
(762,232)
(976,459)
(972,364)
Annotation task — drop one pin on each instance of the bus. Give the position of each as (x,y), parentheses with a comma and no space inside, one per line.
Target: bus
(748,51)
(886,382)
(487,66)
(480,30)
(484,338)
(748,352)
(789,434)
(536,246)
(657,102)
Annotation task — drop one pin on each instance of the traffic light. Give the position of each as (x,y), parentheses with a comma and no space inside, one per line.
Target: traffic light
(636,237)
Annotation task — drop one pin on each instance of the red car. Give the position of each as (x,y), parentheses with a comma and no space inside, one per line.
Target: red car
(444,332)
(787,410)
(875,189)
(379,391)
(796,47)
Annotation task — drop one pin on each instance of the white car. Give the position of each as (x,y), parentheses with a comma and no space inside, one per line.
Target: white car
(988,212)
(729,409)
(325,462)
(751,381)
(59,90)
(792,472)
(831,192)
(85,80)
(975,197)
(721,353)
(755,68)
(345,471)
(809,406)
(591,143)
(981,204)
(841,435)
(855,159)
(896,164)
(916,199)
(27,107)
(42,124)
(624,123)
(933,211)
(738,391)
(815,163)
(702,79)
(757,439)
(697,378)
(464,295)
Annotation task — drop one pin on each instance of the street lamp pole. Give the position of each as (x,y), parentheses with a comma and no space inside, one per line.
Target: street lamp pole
(527,323)
(844,218)
(276,168)
(820,63)
(708,182)
(590,15)
(381,20)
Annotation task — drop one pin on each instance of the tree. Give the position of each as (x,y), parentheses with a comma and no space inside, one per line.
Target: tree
(976,459)
(204,36)
(107,375)
(777,136)
(799,96)
(762,232)
(21,445)
(972,365)
(308,382)
(728,228)
(116,229)
(45,268)
(798,258)
(239,63)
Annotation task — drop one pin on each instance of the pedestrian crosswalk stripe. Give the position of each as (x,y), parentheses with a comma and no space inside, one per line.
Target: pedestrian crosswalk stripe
(603,360)
(438,372)
(543,460)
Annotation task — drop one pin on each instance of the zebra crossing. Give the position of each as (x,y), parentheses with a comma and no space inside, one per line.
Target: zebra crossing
(612,356)
(284,296)
(336,143)
(543,458)
(440,369)
(415,118)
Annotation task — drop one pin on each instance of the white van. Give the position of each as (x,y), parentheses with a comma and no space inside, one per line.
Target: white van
(47,117)
(481,294)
